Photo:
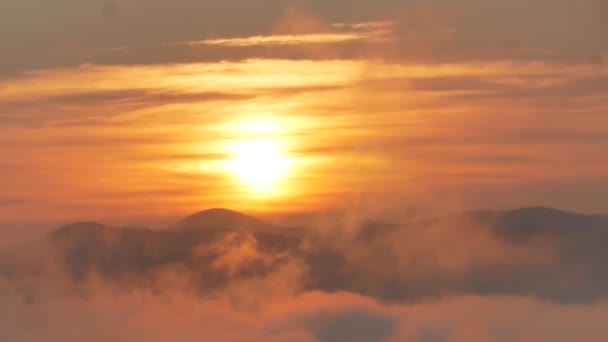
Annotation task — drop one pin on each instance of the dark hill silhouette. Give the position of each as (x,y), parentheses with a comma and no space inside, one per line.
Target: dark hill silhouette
(526,223)
(218,218)
(118,251)
(370,262)
(230,220)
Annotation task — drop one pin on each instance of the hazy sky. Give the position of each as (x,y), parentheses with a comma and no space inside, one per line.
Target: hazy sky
(146,108)
(139,112)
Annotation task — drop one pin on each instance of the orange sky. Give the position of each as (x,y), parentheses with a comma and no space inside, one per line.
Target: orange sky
(406,106)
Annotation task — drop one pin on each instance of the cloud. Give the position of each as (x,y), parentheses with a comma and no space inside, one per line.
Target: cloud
(299,27)
(66,109)
(319,38)
(334,317)
(437,31)
(374,25)
(463,281)
(442,105)
(113,49)
(104,312)
(439,121)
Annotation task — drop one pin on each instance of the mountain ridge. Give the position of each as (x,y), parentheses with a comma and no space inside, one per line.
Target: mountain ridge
(231,220)
(221,218)
(535,245)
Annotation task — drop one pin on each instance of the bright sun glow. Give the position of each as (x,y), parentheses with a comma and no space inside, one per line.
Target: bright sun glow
(257,126)
(259,163)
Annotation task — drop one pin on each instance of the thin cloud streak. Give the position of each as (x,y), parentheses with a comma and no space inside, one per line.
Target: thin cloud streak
(367,32)
(277,40)
(375,25)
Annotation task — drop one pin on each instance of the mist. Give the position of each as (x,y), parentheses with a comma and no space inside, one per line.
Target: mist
(455,278)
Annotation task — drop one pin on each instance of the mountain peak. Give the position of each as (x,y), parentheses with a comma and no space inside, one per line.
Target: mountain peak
(541,210)
(220,218)
(544,213)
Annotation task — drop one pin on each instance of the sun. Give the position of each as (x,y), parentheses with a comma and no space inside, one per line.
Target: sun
(261,164)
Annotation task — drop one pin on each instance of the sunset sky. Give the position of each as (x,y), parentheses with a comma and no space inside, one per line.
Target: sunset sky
(303,170)
(162,108)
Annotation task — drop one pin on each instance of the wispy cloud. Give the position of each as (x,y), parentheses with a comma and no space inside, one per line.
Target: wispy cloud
(371,25)
(112,49)
(369,31)
(319,38)
(401,127)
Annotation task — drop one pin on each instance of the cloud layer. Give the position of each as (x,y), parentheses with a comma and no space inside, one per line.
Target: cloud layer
(458,278)
(411,130)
